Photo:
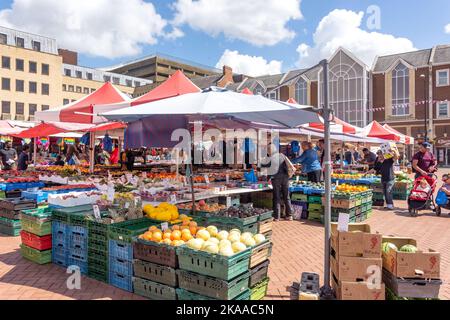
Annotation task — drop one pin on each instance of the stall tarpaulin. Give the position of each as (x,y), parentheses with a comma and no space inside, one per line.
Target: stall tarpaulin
(376,130)
(337,136)
(403,138)
(84,109)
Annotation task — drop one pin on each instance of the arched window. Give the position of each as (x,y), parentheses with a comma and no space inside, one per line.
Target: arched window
(400,90)
(301,92)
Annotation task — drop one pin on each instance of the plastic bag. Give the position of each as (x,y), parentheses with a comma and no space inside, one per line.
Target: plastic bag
(441,199)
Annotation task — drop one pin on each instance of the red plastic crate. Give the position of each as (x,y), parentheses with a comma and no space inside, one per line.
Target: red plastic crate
(36,242)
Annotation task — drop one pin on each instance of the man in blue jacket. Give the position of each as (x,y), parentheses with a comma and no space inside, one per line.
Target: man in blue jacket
(310,162)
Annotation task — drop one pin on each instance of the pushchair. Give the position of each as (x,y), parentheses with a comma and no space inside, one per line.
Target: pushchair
(419,200)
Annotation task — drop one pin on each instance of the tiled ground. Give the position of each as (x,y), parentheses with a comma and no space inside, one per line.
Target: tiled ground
(298,247)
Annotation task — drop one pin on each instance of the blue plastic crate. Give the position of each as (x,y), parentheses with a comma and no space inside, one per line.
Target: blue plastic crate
(78,237)
(59,256)
(121,266)
(31,185)
(78,253)
(16,186)
(121,281)
(83,265)
(121,250)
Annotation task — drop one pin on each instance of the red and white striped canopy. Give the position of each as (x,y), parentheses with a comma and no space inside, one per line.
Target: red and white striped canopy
(83,110)
(376,130)
(403,138)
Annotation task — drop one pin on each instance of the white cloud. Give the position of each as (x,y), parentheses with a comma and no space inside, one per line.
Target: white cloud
(254,21)
(342,28)
(106,28)
(447,28)
(249,65)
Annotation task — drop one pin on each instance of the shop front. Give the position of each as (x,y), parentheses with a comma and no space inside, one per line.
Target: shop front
(443,151)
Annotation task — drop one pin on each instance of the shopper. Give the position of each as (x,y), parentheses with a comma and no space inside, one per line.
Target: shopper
(388,178)
(424,162)
(73,154)
(369,158)
(24,159)
(8,157)
(280,183)
(310,162)
(59,161)
(348,155)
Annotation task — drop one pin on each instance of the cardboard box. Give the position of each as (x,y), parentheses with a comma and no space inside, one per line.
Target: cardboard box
(422,264)
(388,148)
(356,269)
(356,244)
(346,290)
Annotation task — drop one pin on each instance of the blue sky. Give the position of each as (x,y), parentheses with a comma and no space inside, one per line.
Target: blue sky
(422,23)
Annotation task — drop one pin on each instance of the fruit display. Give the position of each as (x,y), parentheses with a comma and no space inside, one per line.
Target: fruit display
(403,177)
(70,187)
(352,176)
(242,211)
(386,246)
(203,206)
(164,212)
(409,248)
(349,189)
(208,239)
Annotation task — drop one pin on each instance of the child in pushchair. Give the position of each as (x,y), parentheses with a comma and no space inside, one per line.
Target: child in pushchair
(422,195)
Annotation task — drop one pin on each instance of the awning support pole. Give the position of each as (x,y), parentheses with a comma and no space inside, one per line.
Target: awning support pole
(34,151)
(92,152)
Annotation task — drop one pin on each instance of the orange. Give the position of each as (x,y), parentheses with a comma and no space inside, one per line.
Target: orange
(186,223)
(167,235)
(153,229)
(192,224)
(175,228)
(168,242)
(186,236)
(157,236)
(148,236)
(176,235)
(184,228)
(193,230)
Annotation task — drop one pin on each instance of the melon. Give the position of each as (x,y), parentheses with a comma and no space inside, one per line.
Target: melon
(259,238)
(387,246)
(409,248)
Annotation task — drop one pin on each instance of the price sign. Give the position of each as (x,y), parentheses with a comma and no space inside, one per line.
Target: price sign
(206,179)
(127,205)
(111,192)
(343,221)
(183,178)
(164,226)
(109,176)
(137,200)
(96,212)
(129,177)
(228,202)
(297,179)
(173,198)
(227,178)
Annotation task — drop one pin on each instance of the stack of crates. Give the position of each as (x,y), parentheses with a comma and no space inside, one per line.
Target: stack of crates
(315,208)
(120,252)
(259,268)
(214,277)
(10,223)
(70,236)
(265,224)
(98,257)
(155,270)
(299,204)
(36,235)
(357,205)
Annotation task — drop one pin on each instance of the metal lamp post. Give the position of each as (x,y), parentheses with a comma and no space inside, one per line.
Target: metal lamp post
(424,77)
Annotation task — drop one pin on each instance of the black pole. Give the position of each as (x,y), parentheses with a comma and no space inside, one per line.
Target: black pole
(426,107)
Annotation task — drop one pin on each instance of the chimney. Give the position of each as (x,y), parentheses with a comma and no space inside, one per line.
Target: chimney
(69,57)
(227,77)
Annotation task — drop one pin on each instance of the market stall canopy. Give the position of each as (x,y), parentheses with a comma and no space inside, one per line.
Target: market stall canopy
(292,101)
(337,136)
(217,102)
(51,128)
(84,110)
(338,126)
(403,138)
(247,91)
(376,130)
(10,127)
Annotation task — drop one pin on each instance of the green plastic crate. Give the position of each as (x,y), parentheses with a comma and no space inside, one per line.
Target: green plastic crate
(153,290)
(315,207)
(98,274)
(313,215)
(75,216)
(185,295)
(98,231)
(299,197)
(240,223)
(38,227)
(9,231)
(212,287)
(10,222)
(253,228)
(221,267)
(259,291)
(127,231)
(265,216)
(39,257)
(315,199)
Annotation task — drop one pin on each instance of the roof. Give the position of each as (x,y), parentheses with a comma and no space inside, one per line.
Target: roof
(442,54)
(415,58)
(176,85)
(206,82)
(271,81)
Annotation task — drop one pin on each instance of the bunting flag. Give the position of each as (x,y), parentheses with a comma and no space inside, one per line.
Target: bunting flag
(405,105)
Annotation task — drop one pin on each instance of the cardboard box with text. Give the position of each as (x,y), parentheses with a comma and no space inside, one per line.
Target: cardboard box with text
(357,242)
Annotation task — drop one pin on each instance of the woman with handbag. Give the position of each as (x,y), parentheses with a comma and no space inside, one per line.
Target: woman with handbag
(310,162)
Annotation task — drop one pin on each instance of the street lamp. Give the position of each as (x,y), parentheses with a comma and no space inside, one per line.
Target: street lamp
(424,77)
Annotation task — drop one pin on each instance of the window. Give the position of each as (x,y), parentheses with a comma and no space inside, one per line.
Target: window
(107,78)
(92,90)
(3,38)
(32,109)
(66,101)
(45,89)
(259,90)
(79,90)
(6,84)
(301,92)
(273,95)
(36,45)
(6,107)
(442,78)
(20,108)
(71,89)
(32,67)
(6,62)
(129,83)
(79,74)
(45,69)
(20,65)
(20,86)
(64,87)
(45,107)
(86,90)
(442,109)
(400,90)
(32,87)
(67,72)
(89,76)
(137,84)
(116,80)
(20,42)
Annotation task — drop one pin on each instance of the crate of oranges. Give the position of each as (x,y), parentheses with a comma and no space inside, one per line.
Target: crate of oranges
(158,246)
